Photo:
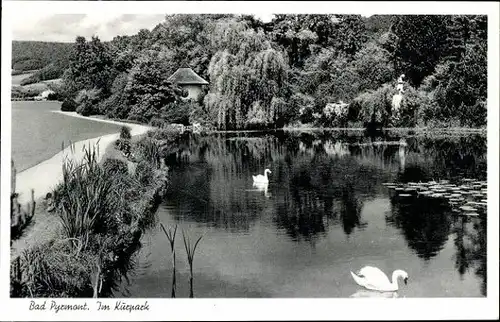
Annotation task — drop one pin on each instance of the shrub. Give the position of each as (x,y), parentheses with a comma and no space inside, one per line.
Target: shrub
(147,149)
(411,108)
(158,122)
(144,172)
(68,105)
(86,101)
(335,114)
(178,112)
(115,167)
(123,145)
(125,133)
(200,115)
(165,134)
(373,106)
(53,97)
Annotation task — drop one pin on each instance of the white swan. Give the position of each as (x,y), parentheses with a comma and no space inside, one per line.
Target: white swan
(373,278)
(261,178)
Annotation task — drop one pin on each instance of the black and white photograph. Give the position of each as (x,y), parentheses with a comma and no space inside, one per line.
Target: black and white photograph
(251,155)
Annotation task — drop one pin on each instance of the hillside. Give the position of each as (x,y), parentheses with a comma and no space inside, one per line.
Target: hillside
(31,55)
(48,58)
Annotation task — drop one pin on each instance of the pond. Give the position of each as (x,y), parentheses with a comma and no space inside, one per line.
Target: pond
(324,213)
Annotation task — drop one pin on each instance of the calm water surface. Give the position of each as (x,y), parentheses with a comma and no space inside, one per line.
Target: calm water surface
(37,133)
(324,213)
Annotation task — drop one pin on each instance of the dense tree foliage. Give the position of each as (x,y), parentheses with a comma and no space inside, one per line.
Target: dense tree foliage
(248,77)
(328,70)
(89,67)
(34,55)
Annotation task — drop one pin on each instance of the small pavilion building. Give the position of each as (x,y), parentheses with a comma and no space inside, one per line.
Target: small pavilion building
(187,79)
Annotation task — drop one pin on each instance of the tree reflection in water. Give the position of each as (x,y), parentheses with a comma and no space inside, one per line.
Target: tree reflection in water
(323,179)
(425,225)
(434,158)
(470,245)
(323,190)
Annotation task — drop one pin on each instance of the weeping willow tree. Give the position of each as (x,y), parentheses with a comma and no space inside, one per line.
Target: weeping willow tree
(247,76)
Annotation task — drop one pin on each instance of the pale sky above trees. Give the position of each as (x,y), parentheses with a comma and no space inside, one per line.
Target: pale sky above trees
(65,27)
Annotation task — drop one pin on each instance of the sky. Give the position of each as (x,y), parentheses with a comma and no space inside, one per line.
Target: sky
(65,27)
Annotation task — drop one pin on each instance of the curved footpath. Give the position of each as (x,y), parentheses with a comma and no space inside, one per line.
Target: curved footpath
(44,176)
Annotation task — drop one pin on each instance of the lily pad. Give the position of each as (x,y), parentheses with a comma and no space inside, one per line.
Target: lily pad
(468,208)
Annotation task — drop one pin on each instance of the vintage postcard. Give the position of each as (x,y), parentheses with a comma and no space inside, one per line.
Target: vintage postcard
(249,161)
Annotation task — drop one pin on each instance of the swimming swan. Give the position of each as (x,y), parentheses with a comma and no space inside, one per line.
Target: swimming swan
(261,178)
(373,278)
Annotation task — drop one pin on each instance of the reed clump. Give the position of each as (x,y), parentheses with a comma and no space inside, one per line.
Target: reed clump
(103,211)
(190,251)
(148,149)
(170,234)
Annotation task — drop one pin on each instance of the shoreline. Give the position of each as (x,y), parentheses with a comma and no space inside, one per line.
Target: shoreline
(44,176)
(48,173)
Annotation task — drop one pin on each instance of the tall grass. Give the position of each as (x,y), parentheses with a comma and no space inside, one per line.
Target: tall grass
(148,150)
(86,198)
(56,269)
(103,211)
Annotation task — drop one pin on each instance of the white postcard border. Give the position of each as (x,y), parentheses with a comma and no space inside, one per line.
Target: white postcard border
(261,309)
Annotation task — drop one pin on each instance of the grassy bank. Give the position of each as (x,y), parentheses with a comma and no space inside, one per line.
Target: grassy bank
(395,130)
(309,127)
(101,210)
